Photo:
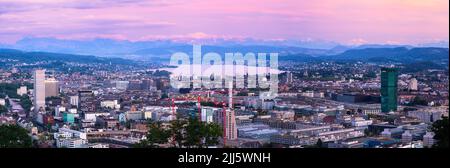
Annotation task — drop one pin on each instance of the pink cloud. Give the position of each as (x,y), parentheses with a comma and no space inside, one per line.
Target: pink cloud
(375,21)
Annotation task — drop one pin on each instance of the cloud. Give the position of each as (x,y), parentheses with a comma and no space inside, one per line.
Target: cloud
(345,21)
(7,6)
(357,41)
(194,37)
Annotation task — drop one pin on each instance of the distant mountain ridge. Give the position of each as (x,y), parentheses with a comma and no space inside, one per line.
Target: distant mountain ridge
(160,50)
(398,54)
(31,57)
(163,48)
(413,59)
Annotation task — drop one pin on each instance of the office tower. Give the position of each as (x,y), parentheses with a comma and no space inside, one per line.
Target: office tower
(413,84)
(51,87)
(39,90)
(389,78)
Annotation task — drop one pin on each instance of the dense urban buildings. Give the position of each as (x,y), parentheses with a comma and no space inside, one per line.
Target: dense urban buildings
(361,105)
(286,74)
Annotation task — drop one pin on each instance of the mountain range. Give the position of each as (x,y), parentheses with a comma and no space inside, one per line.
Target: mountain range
(163,48)
(160,50)
(32,57)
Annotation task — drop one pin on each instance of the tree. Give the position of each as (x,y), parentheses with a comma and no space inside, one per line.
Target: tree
(13,136)
(440,129)
(371,74)
(26,103)
(157,134)
(268,145)
(9,89)
(200,134)
(261,111)
(3,109)
(319,143)
(418,101)
(128,124)
(211,134)
(193,133)
(7,103)
(164,96)
(190,133)
(177,129)
(367,132)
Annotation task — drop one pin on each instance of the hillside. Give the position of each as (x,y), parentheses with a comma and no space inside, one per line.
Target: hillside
(30,57)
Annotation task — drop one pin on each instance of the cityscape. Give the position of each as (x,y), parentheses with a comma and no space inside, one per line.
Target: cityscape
(58,91)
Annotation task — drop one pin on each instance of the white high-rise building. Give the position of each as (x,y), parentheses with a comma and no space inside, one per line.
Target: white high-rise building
(39,90)
(413,84)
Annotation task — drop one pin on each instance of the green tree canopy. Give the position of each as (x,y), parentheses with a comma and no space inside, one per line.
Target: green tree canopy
(440,129)
(157,134)
(26,103)
(13,136)
(178,132)
(190,133)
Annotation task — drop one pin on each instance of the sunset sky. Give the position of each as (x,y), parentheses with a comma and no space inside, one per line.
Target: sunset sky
(343,21)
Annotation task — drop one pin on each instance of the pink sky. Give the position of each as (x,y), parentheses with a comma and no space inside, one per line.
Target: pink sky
(344,21)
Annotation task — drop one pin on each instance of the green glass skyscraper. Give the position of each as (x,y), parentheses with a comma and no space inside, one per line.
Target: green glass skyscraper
(389,78)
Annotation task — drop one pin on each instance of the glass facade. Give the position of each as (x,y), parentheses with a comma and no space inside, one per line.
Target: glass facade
(389,78)
(68,118)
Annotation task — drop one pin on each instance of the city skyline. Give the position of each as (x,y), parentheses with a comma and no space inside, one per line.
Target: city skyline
(220,74)
(348,22)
